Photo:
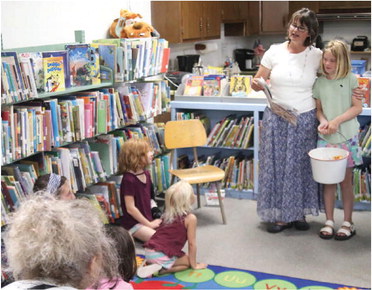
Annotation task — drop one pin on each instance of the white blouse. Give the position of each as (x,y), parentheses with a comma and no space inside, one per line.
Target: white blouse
(293,75)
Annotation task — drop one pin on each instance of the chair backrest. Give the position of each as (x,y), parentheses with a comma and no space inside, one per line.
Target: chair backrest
(184,133)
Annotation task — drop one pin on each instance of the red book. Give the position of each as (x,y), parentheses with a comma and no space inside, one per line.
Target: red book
(165,60)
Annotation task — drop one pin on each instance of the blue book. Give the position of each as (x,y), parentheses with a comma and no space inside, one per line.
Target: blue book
(81,61)
(52,106)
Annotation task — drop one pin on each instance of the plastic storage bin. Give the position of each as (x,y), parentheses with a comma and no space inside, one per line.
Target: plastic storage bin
(358,66)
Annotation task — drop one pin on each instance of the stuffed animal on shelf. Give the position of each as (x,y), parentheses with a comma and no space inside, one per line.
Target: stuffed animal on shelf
(136,30)
(119,23)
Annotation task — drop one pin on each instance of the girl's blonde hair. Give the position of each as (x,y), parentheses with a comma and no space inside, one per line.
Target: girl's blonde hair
(340,51)
(133,155)
(178,200)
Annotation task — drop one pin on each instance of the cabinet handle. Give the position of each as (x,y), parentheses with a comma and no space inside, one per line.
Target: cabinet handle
(201,24)
(208,25)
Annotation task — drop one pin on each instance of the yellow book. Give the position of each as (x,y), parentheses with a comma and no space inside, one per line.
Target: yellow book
(54,74)
(240,86)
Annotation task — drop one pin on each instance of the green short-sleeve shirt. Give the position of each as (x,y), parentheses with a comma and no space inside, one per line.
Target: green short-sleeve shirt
(335,96)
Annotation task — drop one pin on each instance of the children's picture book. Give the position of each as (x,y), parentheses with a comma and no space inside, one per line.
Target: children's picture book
(95,72)
(54,74)
(240,85)
(66,66)
(194,86)
(36,59)
(212,85)
(365,83)
(80,61)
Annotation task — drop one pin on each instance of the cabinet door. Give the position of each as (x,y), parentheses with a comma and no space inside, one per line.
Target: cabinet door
(212,20)
(297,5)
(274,16)
(343,5)
(234,11)
(192,20)
(166,19)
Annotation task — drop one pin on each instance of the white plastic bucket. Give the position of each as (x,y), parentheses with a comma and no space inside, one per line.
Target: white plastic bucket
(326,169)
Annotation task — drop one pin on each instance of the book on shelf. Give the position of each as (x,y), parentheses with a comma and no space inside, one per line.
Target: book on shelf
(36,60)
(194,86)
(96,203)
(66,63)
(81,61)
(11,68)
(212,85)
(365,84)
(54,74)
(101,191)
(240,85)
(28,76)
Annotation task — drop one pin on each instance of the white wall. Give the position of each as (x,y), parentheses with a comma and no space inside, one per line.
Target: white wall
(29,23)
(347,30)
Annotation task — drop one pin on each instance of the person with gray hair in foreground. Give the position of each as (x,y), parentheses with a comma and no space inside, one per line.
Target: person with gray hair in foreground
(58,244)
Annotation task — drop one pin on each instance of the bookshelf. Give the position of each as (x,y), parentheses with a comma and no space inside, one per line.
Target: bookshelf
(104,141)
(219,107)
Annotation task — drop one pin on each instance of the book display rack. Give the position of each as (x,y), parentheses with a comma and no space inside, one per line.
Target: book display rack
(228,120)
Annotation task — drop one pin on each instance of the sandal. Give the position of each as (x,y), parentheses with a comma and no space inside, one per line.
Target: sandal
(346,231)
(328,229)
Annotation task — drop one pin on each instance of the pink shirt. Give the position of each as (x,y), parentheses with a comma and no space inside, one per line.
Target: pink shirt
(119,284)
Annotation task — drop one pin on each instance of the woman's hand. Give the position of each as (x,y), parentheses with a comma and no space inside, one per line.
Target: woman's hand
(359,93)
(333,127)
(255,85)
(323,128)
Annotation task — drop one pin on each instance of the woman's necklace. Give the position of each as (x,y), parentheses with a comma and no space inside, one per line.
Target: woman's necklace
(303,66)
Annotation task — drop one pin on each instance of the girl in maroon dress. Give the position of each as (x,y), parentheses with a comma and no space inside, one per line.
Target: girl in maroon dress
(136,188)
(164,249)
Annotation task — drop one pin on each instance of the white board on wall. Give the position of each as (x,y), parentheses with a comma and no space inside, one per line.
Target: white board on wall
(31,23)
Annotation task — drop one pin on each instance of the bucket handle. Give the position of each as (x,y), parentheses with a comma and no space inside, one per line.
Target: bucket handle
(342,135)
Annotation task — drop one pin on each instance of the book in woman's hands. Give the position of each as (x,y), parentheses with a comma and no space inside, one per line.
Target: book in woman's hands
(282,110)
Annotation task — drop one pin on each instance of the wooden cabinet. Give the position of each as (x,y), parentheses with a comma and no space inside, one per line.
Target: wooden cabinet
(340,6)
(273,17)
(181,21)
(297,5)
(324,7)
(234,11)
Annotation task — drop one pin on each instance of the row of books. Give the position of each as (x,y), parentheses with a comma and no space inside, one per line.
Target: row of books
(25,75)
(233,132)
(88,166)
(365,140)
(362,184)
(134,58)
(214,86)
(40,125)
(238,169)
(208,85)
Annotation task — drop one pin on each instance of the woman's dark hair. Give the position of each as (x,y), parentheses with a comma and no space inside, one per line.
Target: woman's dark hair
(42,181)
(126,251)
(307,18)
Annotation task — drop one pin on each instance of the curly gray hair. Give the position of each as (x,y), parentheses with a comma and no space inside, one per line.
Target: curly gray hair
(61,242)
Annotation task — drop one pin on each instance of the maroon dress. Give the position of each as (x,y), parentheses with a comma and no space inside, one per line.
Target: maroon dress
(141,192)
(169,238)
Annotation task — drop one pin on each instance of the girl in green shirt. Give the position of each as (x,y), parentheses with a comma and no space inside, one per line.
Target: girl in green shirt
(337,111)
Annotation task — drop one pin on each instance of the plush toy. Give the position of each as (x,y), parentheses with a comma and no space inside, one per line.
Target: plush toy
(118,24)
(136,30)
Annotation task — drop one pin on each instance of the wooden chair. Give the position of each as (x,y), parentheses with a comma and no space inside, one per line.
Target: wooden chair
(190,134)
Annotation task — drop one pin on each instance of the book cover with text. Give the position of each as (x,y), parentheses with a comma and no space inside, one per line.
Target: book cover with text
(54,74)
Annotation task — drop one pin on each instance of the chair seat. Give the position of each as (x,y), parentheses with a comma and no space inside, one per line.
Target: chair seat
(201,174)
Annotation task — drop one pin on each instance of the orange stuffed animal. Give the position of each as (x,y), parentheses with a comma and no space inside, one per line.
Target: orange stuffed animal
(124,15)
(136,30)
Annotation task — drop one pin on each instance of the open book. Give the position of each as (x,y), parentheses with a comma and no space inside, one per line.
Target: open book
(286,112)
